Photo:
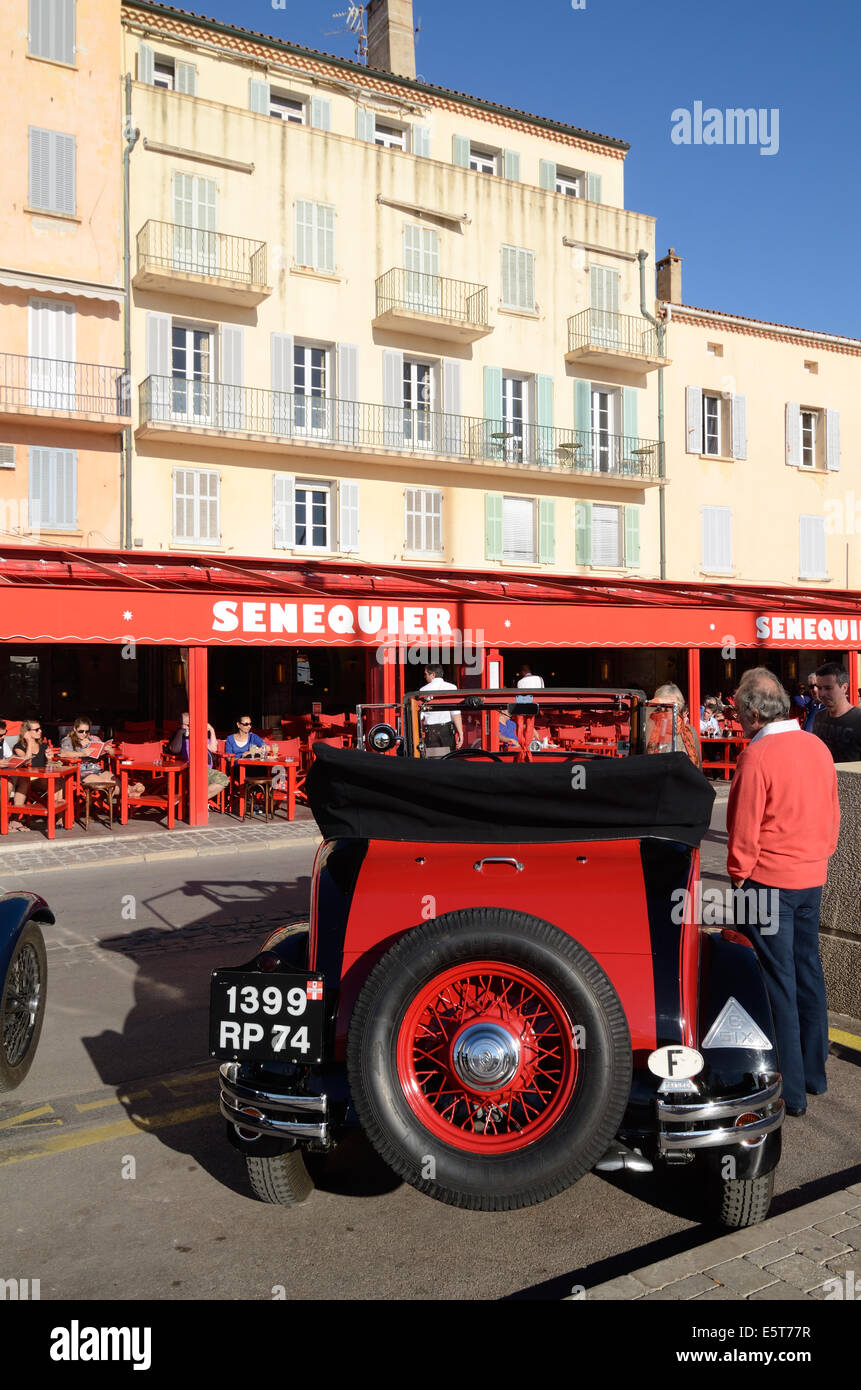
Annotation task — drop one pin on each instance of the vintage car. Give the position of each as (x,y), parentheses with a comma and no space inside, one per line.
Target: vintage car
(503,981)
(23,981)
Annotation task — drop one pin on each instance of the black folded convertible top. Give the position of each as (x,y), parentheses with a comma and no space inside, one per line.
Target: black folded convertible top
(368,796)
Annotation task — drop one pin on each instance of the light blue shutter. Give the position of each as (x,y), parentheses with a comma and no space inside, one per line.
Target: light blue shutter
(452,407)
(186,78)
(421,141)
(281,351)
(348,506)
(693,420)
(283,503)
(544,443)
(832,440)
(511,164)
(493,525)
(793,434)
(158,364)
(460,151)
(492,412)
(593,188)
(632,537)
(629,418)
(546,530)
(583,533)
(146,63)
(348,393)
(393,397)
(232,376)
(739,427)
(582,407)
(321,113)
(366,125)
(547,174)
(258,96)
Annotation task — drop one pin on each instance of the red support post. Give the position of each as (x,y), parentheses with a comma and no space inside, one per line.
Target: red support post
(694,688)
(198,800)
(492,678)
(853,678)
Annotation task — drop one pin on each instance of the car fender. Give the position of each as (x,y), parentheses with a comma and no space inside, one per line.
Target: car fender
(729,970)
(16,910)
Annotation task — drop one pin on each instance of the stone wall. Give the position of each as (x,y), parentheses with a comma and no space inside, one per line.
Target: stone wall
(840,930)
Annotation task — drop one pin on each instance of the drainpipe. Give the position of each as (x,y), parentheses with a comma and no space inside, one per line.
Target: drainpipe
(131,136)
(662,515)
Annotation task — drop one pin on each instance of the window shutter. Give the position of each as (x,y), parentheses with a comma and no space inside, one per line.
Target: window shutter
(739,427)
(40,168)
(813,557)
(518,529)
(181,521)
(65,47)
(583,533)
(629,418)
(583,406)
(393,397)
(366,124)
(421,141)
(546,530)
(832,440)
(511,164)
(348,392)
(7,455)
(460,151)
(492,405)
(411,519)
(717,539)
(593,188)
(52,488)
(64,146)
(210,507)
(232,369)
(321,113)
(693,420)
(52,30)
(146,63)
(258,96)
(40,27)
(452,407)
(527,279)
(632,537)
(281,357)
(433,533)
(304,249)
(793,434)
(604,289)
(325,238)
(547,174)
(544,414)
(186,78)
(606,541)
(158,363)
(493,525)
(509,275)
(348,503)
(283,492)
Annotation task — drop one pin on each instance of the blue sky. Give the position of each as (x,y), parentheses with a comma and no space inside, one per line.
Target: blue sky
(771,236)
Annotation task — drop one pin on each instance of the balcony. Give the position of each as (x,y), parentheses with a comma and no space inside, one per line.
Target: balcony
(430,306)
(78,395)
(202,265)
(213,414)
(597,338)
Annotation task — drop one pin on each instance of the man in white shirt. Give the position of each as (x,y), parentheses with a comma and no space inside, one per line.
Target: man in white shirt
(443,731)
(528,681)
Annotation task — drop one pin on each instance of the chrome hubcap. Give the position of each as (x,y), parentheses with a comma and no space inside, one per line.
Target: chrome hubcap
(486,1056)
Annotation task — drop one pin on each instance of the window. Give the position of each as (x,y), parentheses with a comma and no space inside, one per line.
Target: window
(52,170)
(311,377)
(717,539)
(518,529)
(515,417)
(168,73)
(312,521)
(606,433)
(518,278)
(570,183)
(608,539)
(191,372)
(711,425)
(423,520)
(809,422)
(812,437)
(310,515)
(53,496)
(812,546)
(7,455)
(604,306)
(164,74)
(52,30)
(716,423)
(196,505)
(315,236)
(422,285)
(195,245)
(419,401)
(51,369)
(483,161)
(287,108)
(390,137)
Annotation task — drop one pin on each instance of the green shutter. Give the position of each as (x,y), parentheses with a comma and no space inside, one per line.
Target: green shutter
(582,405)
(493,394)
(629,414)
(186,78)
(593,188)
(547,174)
(511,164)
(321,113)
(544,442)
(258,96)
(583,533)
(546,530)
(632,536)
(366,125)
(493,525)
(460,151)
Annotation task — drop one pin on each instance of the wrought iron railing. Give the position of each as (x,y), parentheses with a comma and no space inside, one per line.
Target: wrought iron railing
(167,246)
(49,383)
(433,295)
(623,333)
(358,424)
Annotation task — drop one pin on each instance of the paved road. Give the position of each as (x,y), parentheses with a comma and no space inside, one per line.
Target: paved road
(122,1074)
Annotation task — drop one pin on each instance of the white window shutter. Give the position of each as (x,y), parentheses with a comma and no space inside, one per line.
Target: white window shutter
(366,124)
(158,363)
(146,63)
(421,141)
(232,375)
(452,396)
(793,434)
(321,113)
(283,501)
(547,174)
(693,420)
(717,539)
(411,495)
(282,361)
(511,164)
(325,260)
(434,522)
(348,392)
(186,78)
(593,188)
(739,427)
(40,177)
(832,440)
(460,151)
(258,96)
(508,274)
(393,397)
(64,160)
(348,507)
(527,279)
(304,248)
(813,551)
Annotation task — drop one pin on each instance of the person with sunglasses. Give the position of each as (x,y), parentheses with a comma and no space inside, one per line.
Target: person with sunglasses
(77,744)
(32,746)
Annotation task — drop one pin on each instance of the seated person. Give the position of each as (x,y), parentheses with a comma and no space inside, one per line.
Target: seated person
(709,726)
(33,746)
(662,723)
(78,743)
(178,745)
(246,744)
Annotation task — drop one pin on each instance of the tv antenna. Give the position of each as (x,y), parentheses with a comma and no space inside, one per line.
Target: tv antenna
(354,23)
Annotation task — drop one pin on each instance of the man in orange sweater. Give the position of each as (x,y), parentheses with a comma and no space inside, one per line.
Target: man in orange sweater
(783,820)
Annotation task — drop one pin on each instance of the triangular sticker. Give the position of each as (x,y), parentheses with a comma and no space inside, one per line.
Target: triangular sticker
(734,1027)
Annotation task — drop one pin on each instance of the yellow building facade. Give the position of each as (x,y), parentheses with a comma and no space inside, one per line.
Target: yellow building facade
(64,399)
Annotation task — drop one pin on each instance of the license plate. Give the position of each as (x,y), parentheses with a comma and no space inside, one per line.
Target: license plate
(265,1016)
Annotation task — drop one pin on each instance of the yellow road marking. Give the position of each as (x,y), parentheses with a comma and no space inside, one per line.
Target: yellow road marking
(31,1115)
(846,1039)
(103,1134)
(112,1100)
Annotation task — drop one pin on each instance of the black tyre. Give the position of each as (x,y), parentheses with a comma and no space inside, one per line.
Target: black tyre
(745,1201)
(283,1180)
(22,1007)
(489,1059)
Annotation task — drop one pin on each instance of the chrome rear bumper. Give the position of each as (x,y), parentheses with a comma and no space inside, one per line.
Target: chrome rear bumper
(701,1115)
(270,1112)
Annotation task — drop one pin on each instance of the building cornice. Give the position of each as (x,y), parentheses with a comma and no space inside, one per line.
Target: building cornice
(760,328)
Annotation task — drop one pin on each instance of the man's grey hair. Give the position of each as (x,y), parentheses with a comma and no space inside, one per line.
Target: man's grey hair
(760,692)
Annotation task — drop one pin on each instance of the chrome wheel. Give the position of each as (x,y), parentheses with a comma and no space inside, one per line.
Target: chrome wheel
(21,1007)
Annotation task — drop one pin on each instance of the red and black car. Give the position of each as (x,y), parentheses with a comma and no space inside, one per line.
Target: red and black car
(503,981)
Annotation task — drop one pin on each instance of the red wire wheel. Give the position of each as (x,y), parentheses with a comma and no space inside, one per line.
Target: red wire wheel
(486,1057)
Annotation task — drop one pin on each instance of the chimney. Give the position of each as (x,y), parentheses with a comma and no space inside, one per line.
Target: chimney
(391,37)
(670,278)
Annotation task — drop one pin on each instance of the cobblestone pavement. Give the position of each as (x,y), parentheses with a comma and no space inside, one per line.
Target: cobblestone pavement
(799,1256)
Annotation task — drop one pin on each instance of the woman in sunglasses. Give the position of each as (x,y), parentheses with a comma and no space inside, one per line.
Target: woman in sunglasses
(31,746)
(78,742)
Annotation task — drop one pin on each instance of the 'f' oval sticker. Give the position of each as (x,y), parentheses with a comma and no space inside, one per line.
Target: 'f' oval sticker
(675,1062)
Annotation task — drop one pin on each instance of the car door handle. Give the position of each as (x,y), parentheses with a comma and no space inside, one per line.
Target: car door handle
(480,863)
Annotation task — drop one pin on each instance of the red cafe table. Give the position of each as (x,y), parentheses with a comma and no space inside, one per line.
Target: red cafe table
(52,773)
(169,801)
(289,766)
(726,748)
